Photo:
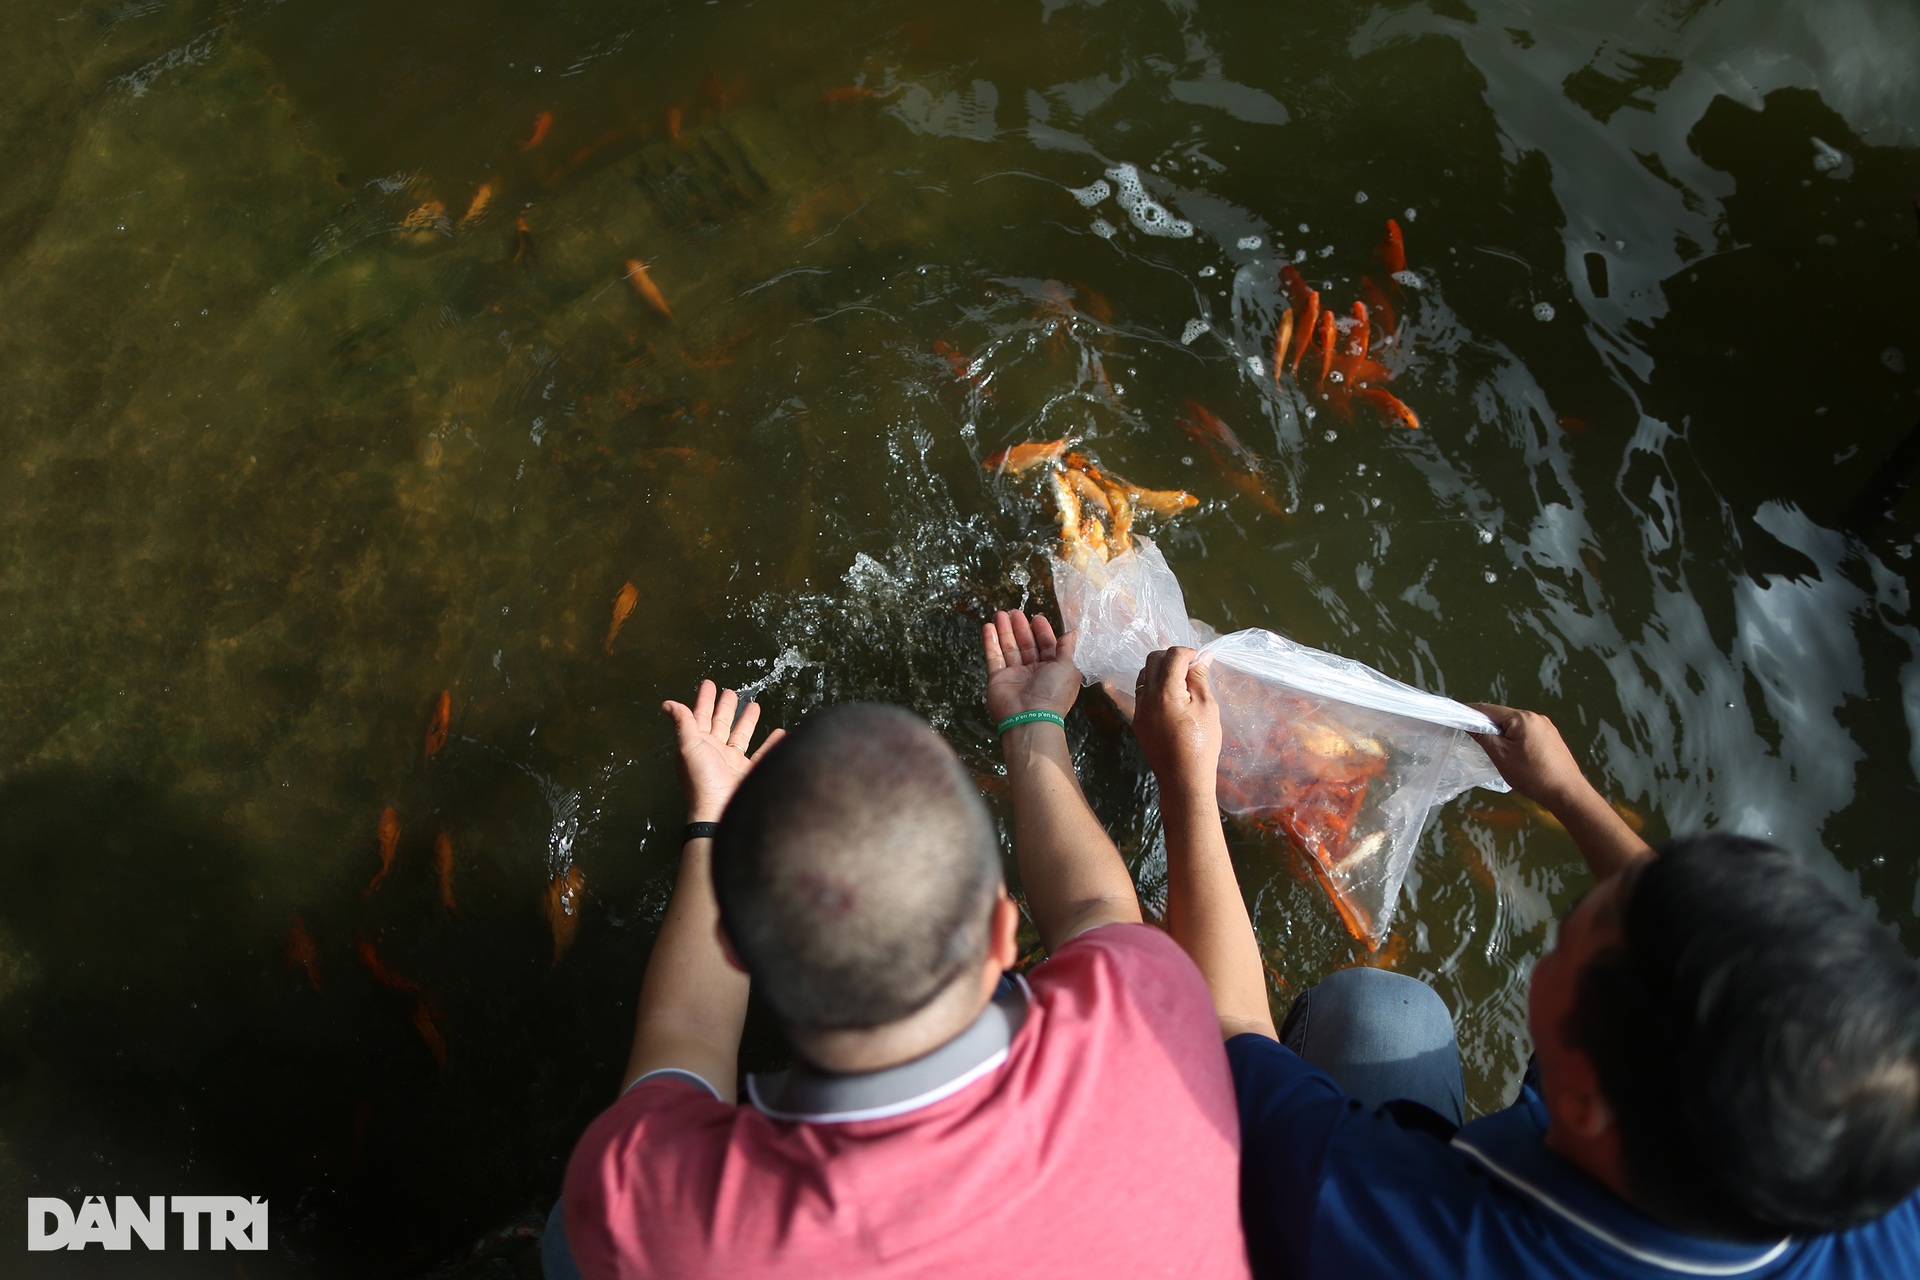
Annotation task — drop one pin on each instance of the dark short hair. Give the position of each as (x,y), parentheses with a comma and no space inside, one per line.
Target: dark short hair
(1757,1036)
(856,869)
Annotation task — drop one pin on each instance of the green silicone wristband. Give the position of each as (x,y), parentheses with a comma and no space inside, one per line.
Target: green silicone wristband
(1031,717)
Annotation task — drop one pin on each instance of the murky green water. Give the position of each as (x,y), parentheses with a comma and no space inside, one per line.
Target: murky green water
(274,471)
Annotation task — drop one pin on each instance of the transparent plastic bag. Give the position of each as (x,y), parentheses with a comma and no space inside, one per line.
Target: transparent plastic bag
(1341,760)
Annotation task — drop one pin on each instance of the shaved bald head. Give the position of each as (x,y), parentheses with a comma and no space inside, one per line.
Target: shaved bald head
(856,869)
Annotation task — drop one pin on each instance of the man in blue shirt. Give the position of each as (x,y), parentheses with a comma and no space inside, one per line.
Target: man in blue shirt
(1726,1077)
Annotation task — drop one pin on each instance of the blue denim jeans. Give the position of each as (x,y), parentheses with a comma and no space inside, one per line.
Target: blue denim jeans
(1380,1035)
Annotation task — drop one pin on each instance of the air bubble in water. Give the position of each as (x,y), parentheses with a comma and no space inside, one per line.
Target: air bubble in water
(1543,311)
(1249,242)
(1194,329)
(1092,194)
(1359,197)
(1319,507)
(1206,273)
(1331,436)
(1491,577)
(1894,360)
(1410,214)
(1486,536)
(1827,158)
(1102,228)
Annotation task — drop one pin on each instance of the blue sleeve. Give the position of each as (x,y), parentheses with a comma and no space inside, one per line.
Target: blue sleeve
(1330,1188)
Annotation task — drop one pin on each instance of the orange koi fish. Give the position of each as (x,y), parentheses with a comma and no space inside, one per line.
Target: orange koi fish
(1392,250)
(563,909)
(1381,309)
(437,726)
(1161,502)
(1202,425)
(851,93)
(443,868)
(542,124)
(1501,819)
(1575,426)
(1389,406)
(962,367)
(644,286)
(673,124)
(1357,336)
(522,239)
(1329,327)
(1303,332)
(422,1019)
(301,952)
(1629,816)
(481,199)
(1282,339)
(388,832)
(1017,458)
(623,602)
(381,974)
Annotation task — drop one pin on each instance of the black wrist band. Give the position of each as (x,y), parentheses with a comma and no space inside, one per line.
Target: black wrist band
(700,831)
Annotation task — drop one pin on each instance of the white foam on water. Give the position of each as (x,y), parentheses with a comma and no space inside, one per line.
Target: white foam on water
(1826,157)
(1145,214)
(1543,311)
(1409,280)
(1102,228)
(1249,242)
(1194,329)
(1092,194)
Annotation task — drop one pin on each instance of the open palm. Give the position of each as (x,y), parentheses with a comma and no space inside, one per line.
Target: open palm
(712,744)
(1028,668)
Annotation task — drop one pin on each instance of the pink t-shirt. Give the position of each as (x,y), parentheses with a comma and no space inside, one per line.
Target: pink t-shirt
(1102,1140)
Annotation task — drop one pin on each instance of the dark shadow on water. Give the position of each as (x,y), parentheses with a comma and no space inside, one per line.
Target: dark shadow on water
(156,1040)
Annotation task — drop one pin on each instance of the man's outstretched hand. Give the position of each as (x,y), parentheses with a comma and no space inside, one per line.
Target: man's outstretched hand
(1177,720)
(713,748)
(1028,669)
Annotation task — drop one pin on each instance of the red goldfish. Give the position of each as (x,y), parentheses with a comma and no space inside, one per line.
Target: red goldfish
(963,369)
(644,286)
(563,909)
(1238,464)
(422,1019)
(301,951)
(522,239)
(437,726)
(443,868)
(1016,458)
(388,832)
(481,199)
(542,124)
(1393,250)
(623,602)
(381,974)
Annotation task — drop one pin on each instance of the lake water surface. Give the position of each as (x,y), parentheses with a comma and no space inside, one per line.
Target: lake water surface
(283,454)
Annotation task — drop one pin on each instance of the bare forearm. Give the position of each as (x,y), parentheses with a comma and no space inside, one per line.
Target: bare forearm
(1604,839)
(692,1002)
(1206,913)
(1072,874)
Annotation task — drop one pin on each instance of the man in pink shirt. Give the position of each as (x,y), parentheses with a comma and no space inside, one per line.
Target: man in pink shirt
(940,1119)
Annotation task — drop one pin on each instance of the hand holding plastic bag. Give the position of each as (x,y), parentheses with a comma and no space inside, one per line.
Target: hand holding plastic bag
(1342,760)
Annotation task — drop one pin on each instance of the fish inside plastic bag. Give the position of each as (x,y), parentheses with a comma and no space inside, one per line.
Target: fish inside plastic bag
(1341,760)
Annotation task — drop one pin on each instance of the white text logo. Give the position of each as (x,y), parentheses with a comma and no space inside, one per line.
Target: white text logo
(232,1222)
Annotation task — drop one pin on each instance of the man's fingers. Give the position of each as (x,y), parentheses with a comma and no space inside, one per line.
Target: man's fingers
(1503,718)
(703,706)
(1068,643)
(1045,644)
(1023,637)
(772,738)
(1003,626)
(743,727)
(1179,659)
(990,645)
(723,713)
(1200,682)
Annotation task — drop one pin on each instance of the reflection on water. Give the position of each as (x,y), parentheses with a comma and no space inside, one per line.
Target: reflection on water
(327,389)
